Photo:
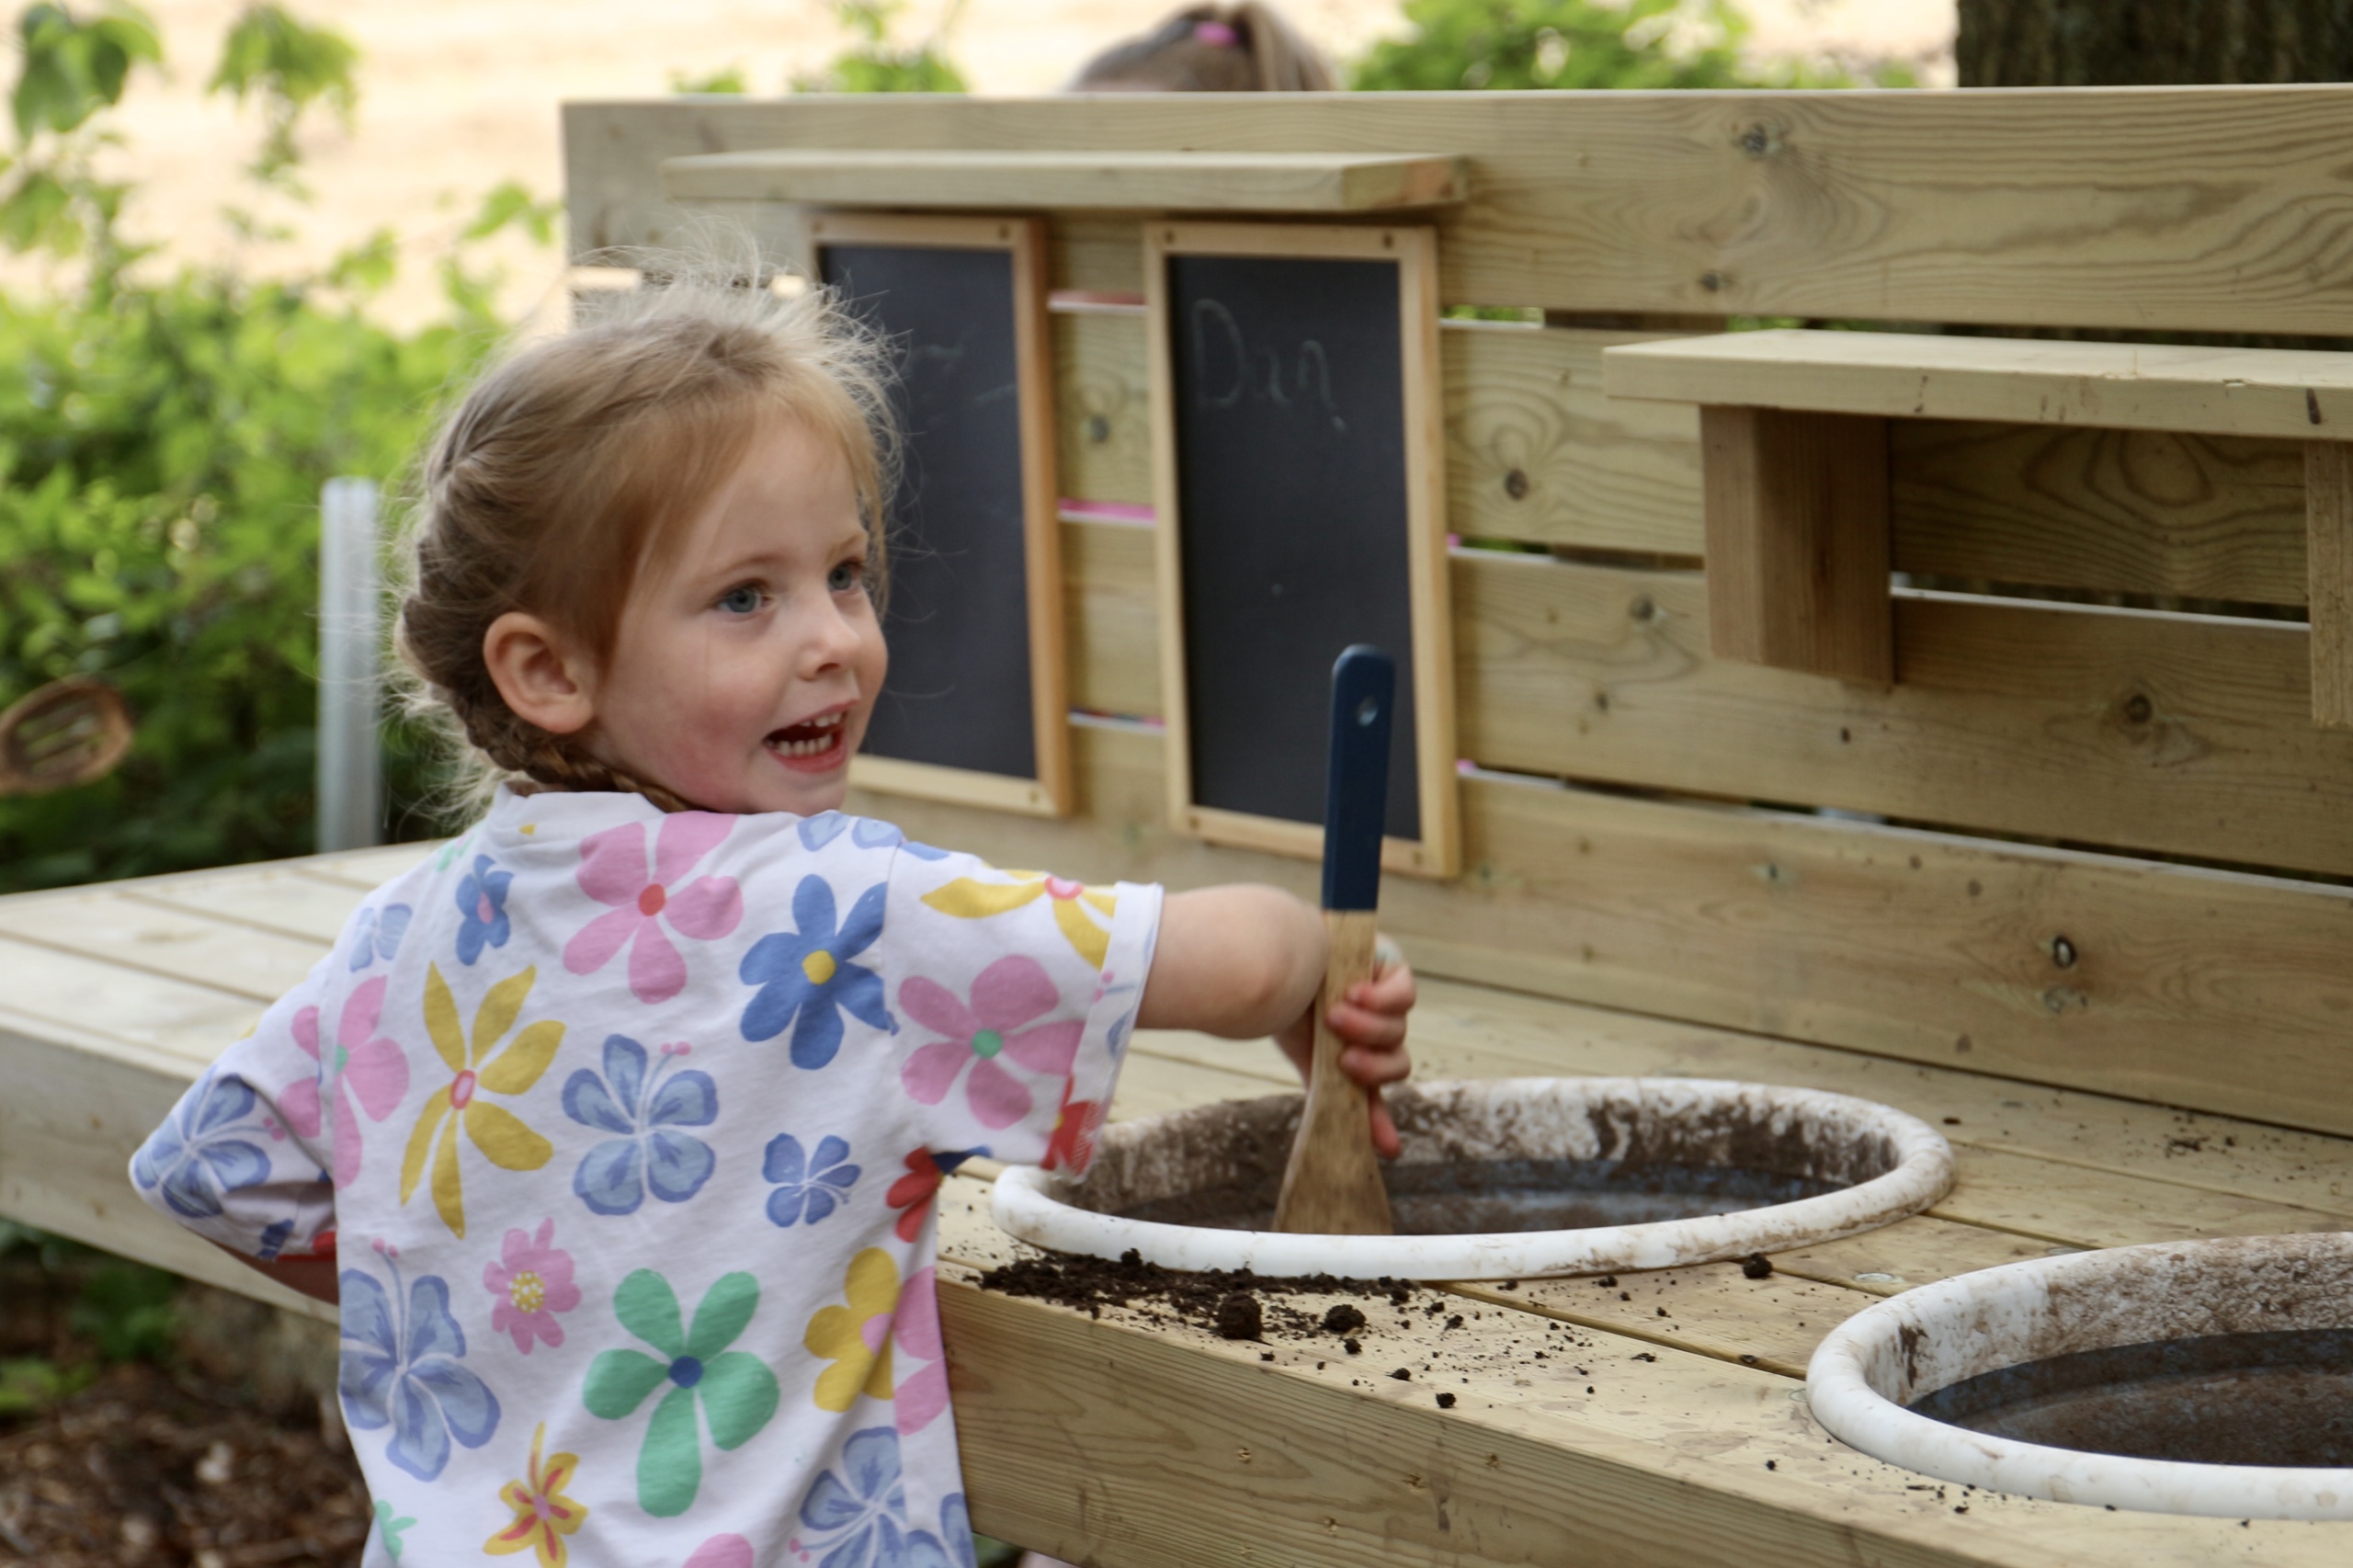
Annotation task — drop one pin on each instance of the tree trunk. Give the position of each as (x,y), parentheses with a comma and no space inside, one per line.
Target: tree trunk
(2114,43)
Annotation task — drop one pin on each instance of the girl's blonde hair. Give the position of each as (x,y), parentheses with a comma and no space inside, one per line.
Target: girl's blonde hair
(573,462)
(1211,48)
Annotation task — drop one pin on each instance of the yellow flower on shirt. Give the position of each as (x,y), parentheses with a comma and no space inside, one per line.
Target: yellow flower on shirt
(1075,906)
(501,1136)
(857,1337)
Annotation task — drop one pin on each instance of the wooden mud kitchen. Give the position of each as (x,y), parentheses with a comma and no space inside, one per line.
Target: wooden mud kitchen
(1872,623)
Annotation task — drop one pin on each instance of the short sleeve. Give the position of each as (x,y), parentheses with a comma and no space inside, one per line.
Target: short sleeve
(1015,994)
(244,1158)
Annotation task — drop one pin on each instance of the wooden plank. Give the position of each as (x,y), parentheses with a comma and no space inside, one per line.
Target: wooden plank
(1663,1464)
(1927,947)
(2328,487)
(2284,394)
(1112,598)
(2129,511)
(2182,734)
(1103,409)
(1271,183)
(169,1018)
(275,898)
(1536,451)
(2204,208)
(1797,541)
(159,940)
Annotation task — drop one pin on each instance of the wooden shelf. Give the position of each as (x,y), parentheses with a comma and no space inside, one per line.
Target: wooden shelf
(1184,182)
(2291,394)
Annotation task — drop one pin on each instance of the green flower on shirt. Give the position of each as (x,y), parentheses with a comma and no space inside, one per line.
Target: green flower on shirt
(736,1391)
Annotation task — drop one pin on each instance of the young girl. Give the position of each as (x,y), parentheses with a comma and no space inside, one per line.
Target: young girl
(1245,48)
(616,1125)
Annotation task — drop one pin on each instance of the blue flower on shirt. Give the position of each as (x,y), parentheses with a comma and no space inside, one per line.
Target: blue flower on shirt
(867,833)
(401,1369)
(857,1516)
(952,1548)
(809,1189)
(194,1158)
(807,975)
(645,1111)
(380,934)
(481,903)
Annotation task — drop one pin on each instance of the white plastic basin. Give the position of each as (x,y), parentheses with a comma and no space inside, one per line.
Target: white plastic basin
(2180,1294)
(1496,1152)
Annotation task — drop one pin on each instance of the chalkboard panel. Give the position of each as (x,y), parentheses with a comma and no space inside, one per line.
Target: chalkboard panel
(974,707)
(1301,499)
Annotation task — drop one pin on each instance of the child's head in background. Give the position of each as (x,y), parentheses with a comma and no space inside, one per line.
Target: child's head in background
(1210,49)
(648,552)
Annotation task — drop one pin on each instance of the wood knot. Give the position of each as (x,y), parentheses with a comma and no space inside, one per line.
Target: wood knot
(2138,708)
(1713,283)
(1757,141)
(1098,429)
(2062,952)
(1516,484)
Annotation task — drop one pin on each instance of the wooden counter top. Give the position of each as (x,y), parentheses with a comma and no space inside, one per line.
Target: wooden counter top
(1665,1423)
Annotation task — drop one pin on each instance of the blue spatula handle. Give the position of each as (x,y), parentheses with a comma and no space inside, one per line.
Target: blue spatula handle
(1356,788)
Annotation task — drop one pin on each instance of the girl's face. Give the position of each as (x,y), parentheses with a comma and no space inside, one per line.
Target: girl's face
(747,660)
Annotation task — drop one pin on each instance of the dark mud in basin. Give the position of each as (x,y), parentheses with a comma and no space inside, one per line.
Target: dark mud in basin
(2280,1398)
(1472,1167)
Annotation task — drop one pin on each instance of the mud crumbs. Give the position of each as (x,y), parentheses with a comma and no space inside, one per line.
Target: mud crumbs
(1236,1304)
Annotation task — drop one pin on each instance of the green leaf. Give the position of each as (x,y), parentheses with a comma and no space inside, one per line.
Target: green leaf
(726,1307)
(739,1395)
(619,1381)
(648,1308)
(669,1467)
(732,79)
(511,202)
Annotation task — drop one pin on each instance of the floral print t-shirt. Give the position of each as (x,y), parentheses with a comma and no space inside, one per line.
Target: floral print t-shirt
(625,1129)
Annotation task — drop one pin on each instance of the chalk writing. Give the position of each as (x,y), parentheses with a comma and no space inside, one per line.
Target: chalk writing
(1255,371)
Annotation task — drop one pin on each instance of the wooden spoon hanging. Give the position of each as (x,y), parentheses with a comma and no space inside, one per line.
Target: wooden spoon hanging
(70,732)
(1332,1185)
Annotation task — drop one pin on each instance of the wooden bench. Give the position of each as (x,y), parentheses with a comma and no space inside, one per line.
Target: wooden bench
(2072,885)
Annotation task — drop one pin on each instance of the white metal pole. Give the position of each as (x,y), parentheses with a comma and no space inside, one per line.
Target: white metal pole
(350,783)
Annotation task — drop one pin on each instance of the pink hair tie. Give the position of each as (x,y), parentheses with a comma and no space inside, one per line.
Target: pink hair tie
(1216,34)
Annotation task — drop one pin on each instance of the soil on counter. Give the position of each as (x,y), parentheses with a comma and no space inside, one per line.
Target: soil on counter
(1211,1298)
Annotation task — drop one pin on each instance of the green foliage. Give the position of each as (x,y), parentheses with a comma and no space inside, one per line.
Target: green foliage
(1581,43)
(74,68)
(876,64)
(126,1310)
(289,67)
(734,79)
(163,443)
(70,69)
(29,1384)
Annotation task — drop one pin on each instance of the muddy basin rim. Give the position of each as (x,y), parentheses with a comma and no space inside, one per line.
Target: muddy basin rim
(1870,1368)
(1881,1163)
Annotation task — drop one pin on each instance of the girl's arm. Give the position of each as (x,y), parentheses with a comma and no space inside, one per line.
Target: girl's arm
(1243,962)
(314,1277)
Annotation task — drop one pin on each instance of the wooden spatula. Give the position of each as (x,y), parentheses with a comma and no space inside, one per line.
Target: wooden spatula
(1333,1184)
(69,731)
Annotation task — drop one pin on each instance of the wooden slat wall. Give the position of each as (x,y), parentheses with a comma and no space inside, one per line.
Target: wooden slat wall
(2126,731)
(2213,209)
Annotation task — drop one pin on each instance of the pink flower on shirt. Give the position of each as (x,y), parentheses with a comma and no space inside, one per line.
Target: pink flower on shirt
(532,1281)
(923,1396)
(1006,995)
(613,870)
(374,1073)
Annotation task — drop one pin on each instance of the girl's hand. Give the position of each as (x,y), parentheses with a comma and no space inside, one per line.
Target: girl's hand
(1371,1022)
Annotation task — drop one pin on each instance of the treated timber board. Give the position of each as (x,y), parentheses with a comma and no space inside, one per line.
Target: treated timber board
(1102,1439)
(156,939)
(2128,511)
(2328,484)
(2285,393)
(1323,183)
(1111,599)
(2202,207)
(1797,541)
(1924,945)
(1536,453)
(165,1020)
(2181,735)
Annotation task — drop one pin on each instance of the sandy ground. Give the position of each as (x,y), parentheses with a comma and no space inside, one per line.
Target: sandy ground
(460,94)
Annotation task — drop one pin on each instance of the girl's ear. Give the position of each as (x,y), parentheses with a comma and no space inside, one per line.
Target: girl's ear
(544,680)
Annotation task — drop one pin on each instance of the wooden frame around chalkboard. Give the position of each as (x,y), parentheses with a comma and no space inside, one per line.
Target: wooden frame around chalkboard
(1438,853)
(1051,792)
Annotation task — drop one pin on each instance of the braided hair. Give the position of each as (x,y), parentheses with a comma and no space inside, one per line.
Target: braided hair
(576,459)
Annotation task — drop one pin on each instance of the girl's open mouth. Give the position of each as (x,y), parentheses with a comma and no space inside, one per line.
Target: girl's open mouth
(812,746)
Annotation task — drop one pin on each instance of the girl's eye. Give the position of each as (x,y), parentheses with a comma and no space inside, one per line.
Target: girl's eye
(850,574)
(742,600)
